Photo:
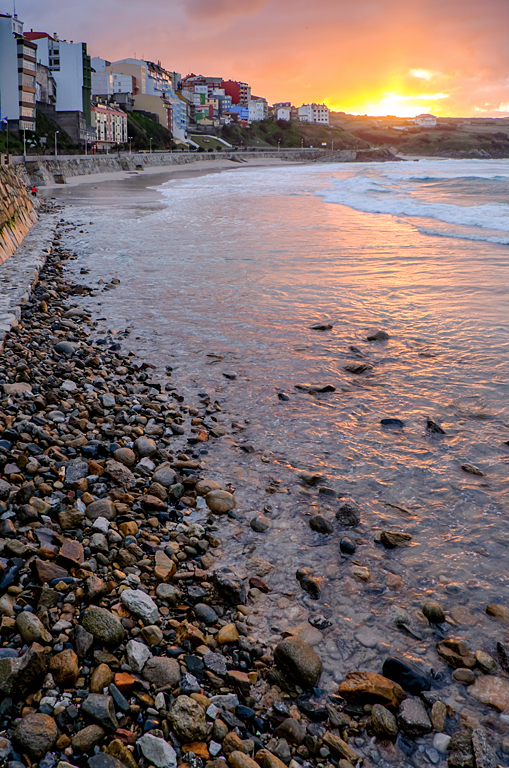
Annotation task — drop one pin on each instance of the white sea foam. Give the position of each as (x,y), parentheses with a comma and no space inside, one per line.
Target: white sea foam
(396,192)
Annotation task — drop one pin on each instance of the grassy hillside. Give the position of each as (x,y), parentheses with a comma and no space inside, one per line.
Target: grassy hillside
(142,129)
(270,133)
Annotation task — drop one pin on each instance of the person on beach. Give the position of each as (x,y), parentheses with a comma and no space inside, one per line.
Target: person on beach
(34,191)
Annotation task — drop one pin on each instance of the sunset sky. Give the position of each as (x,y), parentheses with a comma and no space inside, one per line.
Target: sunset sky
(379,57)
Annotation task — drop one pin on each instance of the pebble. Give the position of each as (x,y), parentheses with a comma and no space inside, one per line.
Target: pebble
(140,604)
(36,734)
(434,613)
(157,751)
(349,514)
(298,659)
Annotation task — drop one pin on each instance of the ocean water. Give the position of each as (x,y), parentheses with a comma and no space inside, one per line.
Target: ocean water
(227,272)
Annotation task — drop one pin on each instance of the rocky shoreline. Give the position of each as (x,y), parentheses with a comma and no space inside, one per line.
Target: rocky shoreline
(123,645)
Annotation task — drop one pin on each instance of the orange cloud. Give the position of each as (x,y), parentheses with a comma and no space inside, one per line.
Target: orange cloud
(356,55)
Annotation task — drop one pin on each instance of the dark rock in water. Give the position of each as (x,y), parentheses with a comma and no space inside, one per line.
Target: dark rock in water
(320,524)
(378,336)
(308,583)
(433,612)
(347,546)
(260,524)
(413,718)
(349,513)
(503,653)
(231,586)
(283,396)
(393,539)
(231,376)
(312,389)
(297,658)
(320,622)
(471,469)
(321,327)
(434,428)
(407,674)
(392,423)
(358,368)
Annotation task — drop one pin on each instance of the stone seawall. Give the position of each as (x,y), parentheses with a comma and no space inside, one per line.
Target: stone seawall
(17,211)
(47,171)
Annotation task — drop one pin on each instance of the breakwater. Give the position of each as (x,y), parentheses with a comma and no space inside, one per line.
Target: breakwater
(17,211)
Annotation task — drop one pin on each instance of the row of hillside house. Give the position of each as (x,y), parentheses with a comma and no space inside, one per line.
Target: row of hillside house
(308,113)
(314,113)
(145,87)
(215,101)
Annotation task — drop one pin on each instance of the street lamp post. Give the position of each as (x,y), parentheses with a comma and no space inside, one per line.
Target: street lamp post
(56,143)
(150,139)
(24,143)
(333,145)
(130,144)
(279,145)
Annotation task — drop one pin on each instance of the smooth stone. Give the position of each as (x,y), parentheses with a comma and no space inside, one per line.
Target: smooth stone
(205,613)
(169,594)
(260,524)
(320,524)
(486,662)
(455,653)
(441,742)
(491,690)
(103,625)
(297,658)
(227,634)
(125,456)
(463,675)
(36,734)
(347,546)
(101,508)
(434,613)
(88,737)
(220,502)
(140,604)
(162,672)
(165,476)
(31,628)
(101,678)
(64,667)
(407,674)
(145,447)
(152,635)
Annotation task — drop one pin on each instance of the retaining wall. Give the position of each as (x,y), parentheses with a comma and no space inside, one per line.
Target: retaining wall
(45,171)
(17,211)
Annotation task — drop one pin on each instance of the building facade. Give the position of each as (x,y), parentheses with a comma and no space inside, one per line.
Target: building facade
(258,109)
(426,121)
(69,65)
(110,126)
(314,113)
(240,92)
(18,64)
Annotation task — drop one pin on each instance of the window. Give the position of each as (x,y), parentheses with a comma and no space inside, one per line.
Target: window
(27,97)
(24,64)
(27,112)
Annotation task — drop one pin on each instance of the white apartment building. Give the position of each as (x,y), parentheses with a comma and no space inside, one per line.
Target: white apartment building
(69,65)
(314,113)
(283,113)
(109,83)
(18,62)
(110,125)
(258,109)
